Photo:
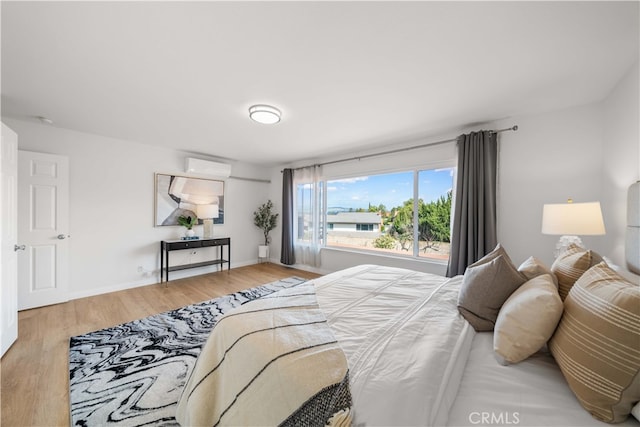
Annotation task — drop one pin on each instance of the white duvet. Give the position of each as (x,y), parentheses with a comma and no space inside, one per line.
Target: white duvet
(405,342)
(532,393)
(415,361)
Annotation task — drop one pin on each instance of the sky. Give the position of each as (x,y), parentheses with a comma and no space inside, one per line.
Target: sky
(389,189)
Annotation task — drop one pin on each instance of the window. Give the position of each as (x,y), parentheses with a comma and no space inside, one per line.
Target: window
(435,194)
(376,212)
(308,227)
(364,227)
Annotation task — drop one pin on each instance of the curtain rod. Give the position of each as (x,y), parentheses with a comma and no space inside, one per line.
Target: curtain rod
(397,150)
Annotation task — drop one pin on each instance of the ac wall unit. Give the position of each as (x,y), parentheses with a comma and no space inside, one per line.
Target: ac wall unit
(207,167)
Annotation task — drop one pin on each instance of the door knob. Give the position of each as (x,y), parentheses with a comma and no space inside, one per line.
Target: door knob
(17,248)
(61,236)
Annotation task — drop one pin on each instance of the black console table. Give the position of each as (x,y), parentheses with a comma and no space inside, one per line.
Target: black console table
(167,246)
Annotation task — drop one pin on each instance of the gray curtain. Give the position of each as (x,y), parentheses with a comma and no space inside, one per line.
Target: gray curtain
(287,255)
(474,217)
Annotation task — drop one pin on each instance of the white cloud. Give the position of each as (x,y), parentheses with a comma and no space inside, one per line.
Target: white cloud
(351,180)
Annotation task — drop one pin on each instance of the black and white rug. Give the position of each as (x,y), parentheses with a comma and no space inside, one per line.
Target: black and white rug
(133,374)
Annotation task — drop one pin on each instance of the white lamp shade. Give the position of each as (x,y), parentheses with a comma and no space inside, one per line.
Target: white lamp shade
(207,211)
(576,219)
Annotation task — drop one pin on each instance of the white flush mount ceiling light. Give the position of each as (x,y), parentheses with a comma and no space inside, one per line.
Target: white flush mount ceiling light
(265,114)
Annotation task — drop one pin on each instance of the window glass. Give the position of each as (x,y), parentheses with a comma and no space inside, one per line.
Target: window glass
(360,210)
(308,199)
(376,212)
(435,189)
(304,215)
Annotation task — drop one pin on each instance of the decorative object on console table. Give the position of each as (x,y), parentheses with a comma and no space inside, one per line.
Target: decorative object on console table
(207,213)
(266,220)
(570,220)
(167,246)
(188,222)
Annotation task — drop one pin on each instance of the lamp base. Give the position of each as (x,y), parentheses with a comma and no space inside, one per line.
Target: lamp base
(564,242)
(208,228)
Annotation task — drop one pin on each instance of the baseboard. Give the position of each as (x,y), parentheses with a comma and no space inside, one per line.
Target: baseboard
(152,280)
(303,267)
(107,289)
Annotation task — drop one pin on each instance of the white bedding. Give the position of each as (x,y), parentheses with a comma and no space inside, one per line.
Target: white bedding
(530,393)
(414,360)
(405,342)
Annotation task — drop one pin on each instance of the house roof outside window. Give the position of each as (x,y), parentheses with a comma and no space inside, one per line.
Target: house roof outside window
(354,218)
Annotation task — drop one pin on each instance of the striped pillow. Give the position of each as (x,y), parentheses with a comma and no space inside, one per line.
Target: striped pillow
(569,266)
(597,343)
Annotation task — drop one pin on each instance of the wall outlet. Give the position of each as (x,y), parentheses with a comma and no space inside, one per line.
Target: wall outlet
(144,272)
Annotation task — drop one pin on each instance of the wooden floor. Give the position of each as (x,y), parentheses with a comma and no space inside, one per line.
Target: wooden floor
(34,372)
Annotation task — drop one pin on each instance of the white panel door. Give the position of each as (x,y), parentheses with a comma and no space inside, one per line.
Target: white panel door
(43,226)
(9,234)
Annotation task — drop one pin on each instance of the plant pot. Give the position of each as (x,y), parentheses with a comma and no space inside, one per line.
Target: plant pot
(190,233)
(263,251)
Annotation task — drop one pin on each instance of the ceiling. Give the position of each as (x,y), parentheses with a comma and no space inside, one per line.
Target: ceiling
(346,75)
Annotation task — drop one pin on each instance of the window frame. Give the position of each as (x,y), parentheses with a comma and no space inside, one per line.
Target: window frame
(415,170)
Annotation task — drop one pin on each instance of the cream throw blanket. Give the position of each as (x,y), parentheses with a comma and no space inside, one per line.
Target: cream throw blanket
(273,361)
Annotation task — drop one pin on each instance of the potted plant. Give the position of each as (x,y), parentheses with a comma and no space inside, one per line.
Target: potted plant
(265,220)
(188,222)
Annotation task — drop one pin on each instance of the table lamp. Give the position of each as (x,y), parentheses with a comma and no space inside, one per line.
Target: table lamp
(207,213)
(570,220)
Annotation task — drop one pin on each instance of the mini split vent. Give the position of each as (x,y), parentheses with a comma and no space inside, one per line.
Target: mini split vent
(206,167)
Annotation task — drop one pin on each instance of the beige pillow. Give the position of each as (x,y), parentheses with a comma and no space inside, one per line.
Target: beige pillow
(569,266)
(532,267)
(484,289)
(597,343)
(527,320)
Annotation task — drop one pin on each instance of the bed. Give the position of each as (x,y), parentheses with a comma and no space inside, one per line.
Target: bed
(414,357)
(460,383)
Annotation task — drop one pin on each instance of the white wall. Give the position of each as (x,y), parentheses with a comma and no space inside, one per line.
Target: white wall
(621,159)
(112,208)
(552,157)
